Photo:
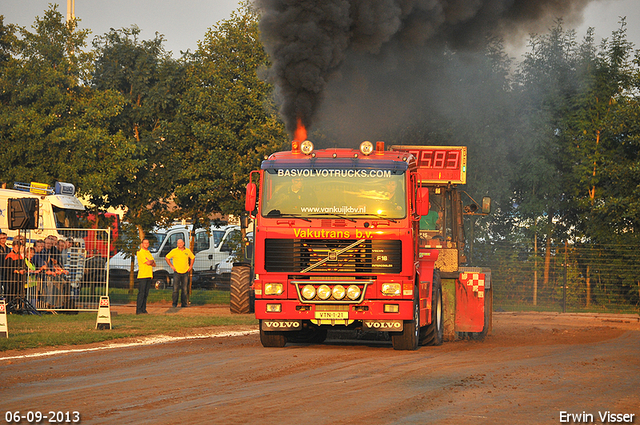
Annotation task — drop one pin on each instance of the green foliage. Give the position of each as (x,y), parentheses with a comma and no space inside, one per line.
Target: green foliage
(54,127)
(147,79)
(226,122)
(197,297)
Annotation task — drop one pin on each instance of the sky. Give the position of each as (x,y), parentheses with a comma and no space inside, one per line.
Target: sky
(185,22)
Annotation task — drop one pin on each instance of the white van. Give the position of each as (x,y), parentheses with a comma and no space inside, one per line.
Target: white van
(211,247)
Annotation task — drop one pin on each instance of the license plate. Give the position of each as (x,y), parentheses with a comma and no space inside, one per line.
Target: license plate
(332,315)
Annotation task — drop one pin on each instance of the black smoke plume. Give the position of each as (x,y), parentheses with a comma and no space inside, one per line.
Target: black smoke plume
(378,54)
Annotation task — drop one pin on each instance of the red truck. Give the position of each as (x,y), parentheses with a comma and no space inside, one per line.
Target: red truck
(100,244)
(367,239)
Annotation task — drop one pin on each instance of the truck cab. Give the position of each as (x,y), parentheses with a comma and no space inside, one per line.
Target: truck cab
(359,239)
(57,213)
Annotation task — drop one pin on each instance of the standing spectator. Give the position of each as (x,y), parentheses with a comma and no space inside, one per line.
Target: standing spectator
(183,260)
(48,256)
(62,247)
(39,245)
(33,284)
(47,260)
(4,250)
(73,259)
(146,263)
(54,247)
(15,270)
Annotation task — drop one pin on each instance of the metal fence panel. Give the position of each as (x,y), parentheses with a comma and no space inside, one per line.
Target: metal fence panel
(56,270)
(575,277)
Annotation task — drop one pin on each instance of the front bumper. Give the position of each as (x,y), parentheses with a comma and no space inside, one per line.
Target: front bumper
(334,314)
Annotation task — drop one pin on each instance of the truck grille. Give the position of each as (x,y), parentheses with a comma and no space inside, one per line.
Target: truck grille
(370,256)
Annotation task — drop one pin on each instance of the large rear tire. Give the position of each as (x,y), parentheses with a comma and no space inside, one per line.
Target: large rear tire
(240,290)
(272,339)
(409,337)
(433,333)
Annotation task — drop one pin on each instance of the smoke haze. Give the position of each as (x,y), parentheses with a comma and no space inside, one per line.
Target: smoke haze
(360,66)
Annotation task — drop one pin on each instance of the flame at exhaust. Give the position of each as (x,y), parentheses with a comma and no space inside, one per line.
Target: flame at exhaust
(301,132)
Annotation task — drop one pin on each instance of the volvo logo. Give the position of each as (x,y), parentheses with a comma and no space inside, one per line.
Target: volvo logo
(383,325)
(282,324)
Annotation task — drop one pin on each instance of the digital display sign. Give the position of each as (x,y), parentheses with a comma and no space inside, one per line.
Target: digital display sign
(439,164)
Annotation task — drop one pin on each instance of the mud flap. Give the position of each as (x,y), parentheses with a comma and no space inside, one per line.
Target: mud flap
(471,300)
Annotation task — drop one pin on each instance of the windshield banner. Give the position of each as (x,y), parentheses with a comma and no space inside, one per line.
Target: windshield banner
(334,173)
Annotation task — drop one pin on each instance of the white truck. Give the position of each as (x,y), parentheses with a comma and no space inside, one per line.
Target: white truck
(58,213)
(58,209)
(212,246)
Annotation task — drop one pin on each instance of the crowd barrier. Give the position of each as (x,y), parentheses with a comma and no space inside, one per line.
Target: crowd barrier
(55,270)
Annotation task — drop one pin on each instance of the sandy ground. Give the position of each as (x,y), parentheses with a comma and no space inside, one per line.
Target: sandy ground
(535,368)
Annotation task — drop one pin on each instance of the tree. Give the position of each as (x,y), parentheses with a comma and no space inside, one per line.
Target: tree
(547,83)
(142,73)
(53,125)
(602,138)
(226,122)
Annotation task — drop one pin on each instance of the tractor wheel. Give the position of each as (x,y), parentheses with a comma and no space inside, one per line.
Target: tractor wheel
(409,337)
(433,333)
(240,290)
(271,339)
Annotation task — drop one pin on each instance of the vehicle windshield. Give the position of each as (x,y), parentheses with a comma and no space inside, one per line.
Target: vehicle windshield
(155,240)
(66,219)
(217,236)
(341,193)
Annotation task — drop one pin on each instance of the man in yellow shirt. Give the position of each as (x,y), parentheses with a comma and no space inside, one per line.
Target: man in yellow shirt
(183,260)
(146,263)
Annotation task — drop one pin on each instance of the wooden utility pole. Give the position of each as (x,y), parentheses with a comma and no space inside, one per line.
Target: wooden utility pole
(535,270)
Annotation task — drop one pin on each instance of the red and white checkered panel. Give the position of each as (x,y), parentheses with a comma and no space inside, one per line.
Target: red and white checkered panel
(475,281)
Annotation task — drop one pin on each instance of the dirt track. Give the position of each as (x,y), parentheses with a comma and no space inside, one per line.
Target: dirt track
(531,369)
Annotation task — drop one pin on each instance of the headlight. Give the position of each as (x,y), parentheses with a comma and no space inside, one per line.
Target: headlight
(308,292)
(306,147)
(353,292)
(366,147)
(339,292)
(391,289)
(273,289)
(324,292)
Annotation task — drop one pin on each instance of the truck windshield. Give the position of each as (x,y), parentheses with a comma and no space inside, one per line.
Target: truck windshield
(66,219)
(343,193)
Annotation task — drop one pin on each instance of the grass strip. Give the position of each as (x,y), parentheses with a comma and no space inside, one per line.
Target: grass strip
(198,296)
(49,330)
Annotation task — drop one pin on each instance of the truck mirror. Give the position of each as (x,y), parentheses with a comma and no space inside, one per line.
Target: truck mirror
(422,201)
(486,205)
(250,200)
(244,221)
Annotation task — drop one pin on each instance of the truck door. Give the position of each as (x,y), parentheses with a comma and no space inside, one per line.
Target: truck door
(201,250)
(206,249)
(227,244)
